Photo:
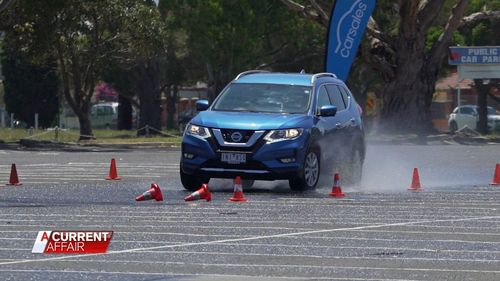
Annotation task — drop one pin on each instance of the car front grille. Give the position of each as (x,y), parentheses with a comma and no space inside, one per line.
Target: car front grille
(245,135)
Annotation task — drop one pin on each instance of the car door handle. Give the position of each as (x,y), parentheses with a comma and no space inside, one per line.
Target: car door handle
(339,126)
(353,121)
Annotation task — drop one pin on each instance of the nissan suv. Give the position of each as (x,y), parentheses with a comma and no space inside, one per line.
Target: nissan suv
(275,126)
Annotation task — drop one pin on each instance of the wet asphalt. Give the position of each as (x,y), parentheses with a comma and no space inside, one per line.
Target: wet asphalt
(380,231)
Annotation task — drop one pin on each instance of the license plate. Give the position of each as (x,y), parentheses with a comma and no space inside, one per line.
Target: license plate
(233,158)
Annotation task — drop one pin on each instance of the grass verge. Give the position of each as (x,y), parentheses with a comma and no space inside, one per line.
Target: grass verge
(8,135)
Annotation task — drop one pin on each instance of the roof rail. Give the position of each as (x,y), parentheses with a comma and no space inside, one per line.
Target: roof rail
(249,72)
(319,75)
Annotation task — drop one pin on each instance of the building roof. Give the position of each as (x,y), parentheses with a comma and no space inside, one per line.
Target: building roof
(451,81)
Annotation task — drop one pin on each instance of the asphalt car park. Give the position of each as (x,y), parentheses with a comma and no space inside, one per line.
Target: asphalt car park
(379,231)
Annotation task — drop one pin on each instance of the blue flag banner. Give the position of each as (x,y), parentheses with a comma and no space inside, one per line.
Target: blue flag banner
(347,26)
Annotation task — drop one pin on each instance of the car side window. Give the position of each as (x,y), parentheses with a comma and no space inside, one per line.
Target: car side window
(467,110)
(345,95)
(108,110)
(100,111)
(336,96)
(323,98)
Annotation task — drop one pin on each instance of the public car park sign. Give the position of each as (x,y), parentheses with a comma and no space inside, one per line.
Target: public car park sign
(476,62)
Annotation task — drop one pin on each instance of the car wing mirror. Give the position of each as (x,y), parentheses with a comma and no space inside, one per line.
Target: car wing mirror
(202,105)
(328,110)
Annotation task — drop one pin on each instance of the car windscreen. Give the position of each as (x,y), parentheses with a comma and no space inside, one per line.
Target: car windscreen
(265,98)
(492,111)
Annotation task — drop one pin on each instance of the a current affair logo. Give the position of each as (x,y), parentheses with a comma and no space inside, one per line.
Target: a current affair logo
(72,242)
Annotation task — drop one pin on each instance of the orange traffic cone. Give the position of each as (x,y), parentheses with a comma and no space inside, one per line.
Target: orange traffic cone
(336,190)
(496,175)
(113,174)
(238,191)
(415,182)
(202,193)
(153,193)
(14,180)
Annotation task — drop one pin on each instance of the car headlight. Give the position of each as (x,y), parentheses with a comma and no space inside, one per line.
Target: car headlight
(281,135)
(197,131)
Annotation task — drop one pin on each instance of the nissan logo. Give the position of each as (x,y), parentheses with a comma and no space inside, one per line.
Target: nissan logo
(236,136)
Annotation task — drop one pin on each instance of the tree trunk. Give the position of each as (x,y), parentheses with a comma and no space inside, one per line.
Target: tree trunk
(171,102)
(124,114)
(148,88)
(85,127)
(482,102)
(406,105)
(409,69)
(77,99)
(408,96)
(217,82)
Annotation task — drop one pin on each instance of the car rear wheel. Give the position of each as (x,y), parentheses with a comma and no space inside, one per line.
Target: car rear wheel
(453,127)
(247,183)
(192,183)
(310,173)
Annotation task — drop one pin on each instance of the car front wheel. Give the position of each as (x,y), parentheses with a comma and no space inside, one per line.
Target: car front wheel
(310,173)
(190,182)
(453,127)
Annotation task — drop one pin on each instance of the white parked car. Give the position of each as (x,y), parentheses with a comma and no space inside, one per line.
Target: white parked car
(467,115)
(104,115)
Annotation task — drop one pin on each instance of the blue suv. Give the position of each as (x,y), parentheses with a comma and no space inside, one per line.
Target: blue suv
(275,126)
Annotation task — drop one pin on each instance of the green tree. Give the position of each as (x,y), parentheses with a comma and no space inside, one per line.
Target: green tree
(77,34)
(483,34)
(121,79)
(399,50)
(227,37)
(4,4)
(176,60)
(88,36)
(31,89)
(142,44)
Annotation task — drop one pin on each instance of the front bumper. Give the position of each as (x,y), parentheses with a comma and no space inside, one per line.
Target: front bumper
(262,159)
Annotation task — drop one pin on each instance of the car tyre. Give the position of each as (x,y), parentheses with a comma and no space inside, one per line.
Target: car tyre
(310,172)
(453,127)
(247,183)
(191,182)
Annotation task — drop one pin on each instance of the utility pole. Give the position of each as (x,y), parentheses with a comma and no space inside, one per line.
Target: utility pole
(482,87)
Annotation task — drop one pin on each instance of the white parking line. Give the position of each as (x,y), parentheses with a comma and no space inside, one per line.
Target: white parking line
(235,277)
(156,226)
(281,245)
(171,226)
(249,239)
(378,249)
(246,265)
(355,259)
(178,219)
(432,232)
(187,216)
